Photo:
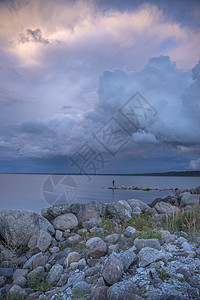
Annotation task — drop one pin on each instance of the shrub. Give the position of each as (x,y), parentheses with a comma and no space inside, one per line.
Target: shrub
(38,282)
(149,234)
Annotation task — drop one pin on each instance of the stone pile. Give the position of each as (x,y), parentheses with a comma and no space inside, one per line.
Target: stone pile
(80,259)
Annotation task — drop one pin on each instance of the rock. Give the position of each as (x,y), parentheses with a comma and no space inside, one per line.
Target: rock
(92,271)
(97,249)
(20,280)
(142,243)
(6,255)
(138,203)
(66,221)
(74,278)
(100,207)
(196,190)
(166,208)
(131,229)
(120,209)
(129,297)
(74,239)
(99,293)
(38,270)
(186,246)
(58,235)
(88,213)
(74,266)
(113,269)
(149,255)
(6,272)
(56,210)
(2,281)
(59,257)
(187,198)
(82,262)
(127,257)
(89,224)
(167,237)
(136,211)
(21,225)
(181,240)
(121,288)
(72,257)
(54,250)
(81,287)
(16,290)
(112,238)
(28,264)
(92,240)
(34,296)
(63,279)
(39,261)
(39,242)
(55,274)
(113,248)
(20,272)
(82,231)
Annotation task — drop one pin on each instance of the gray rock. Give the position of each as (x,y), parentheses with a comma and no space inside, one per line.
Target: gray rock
(40,241)
(113,248)
(16,290)
(81,287)
(54,250)
(55,274)
(36,271)
(112,238)
(28,264)
(74,239)
(187,198)
(121,288)
(149,255)
(56,210)
(166,208)
(100,207)
(92,271)
(142,243)
(2,281)
(99,293)
(6,272)
(58,235)
(39,261)
(21,225)
(97,249)
(20,280)
(120,209)
(74,278)
(59,257)
(63,279)
(113,269)
(66,221)
(127,257)
(186,246)
(181,240)
(92,240)
(72,257)
(87,213)
(130,296)
(138,203)
(20,272)
(89,224)
(167,237)
(137,211)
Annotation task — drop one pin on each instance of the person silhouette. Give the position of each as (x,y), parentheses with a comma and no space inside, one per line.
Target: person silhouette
(113,183)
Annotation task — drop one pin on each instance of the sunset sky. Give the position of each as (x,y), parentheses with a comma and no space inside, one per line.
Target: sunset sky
(71,70)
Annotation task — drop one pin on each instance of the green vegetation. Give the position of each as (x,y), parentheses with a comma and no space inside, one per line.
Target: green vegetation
(77,294)
(163,275)
(38,282)
(186,221)
(15,297)
(149,234)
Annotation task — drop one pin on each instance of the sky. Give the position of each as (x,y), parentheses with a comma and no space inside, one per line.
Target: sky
(99,86)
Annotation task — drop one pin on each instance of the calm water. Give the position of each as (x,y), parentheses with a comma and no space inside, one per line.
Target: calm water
(36,191)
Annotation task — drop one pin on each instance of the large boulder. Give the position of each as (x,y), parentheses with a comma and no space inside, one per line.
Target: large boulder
(121,288)
(166,208)
(88,213)
(120,210)
(127,257)
(97,249)
(138,203)
(113,269)
(187,198)
(20,225)
(142,243)
(150,255)
(66,221)
(40,241)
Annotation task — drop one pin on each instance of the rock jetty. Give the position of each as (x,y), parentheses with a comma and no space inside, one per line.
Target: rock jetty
(98,251)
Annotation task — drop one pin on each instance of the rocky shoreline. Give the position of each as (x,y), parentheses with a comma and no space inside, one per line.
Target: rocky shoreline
(122,250)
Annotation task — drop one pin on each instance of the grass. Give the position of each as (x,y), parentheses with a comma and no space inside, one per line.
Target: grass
(15,297)
(163,275)
(188,222)
(149,234)
(10,243)
(38,282)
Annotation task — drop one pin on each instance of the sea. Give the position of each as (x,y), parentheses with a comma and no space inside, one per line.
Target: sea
(35,191)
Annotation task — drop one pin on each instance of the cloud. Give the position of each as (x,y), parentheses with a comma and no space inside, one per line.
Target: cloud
(33,36)
(195,164)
